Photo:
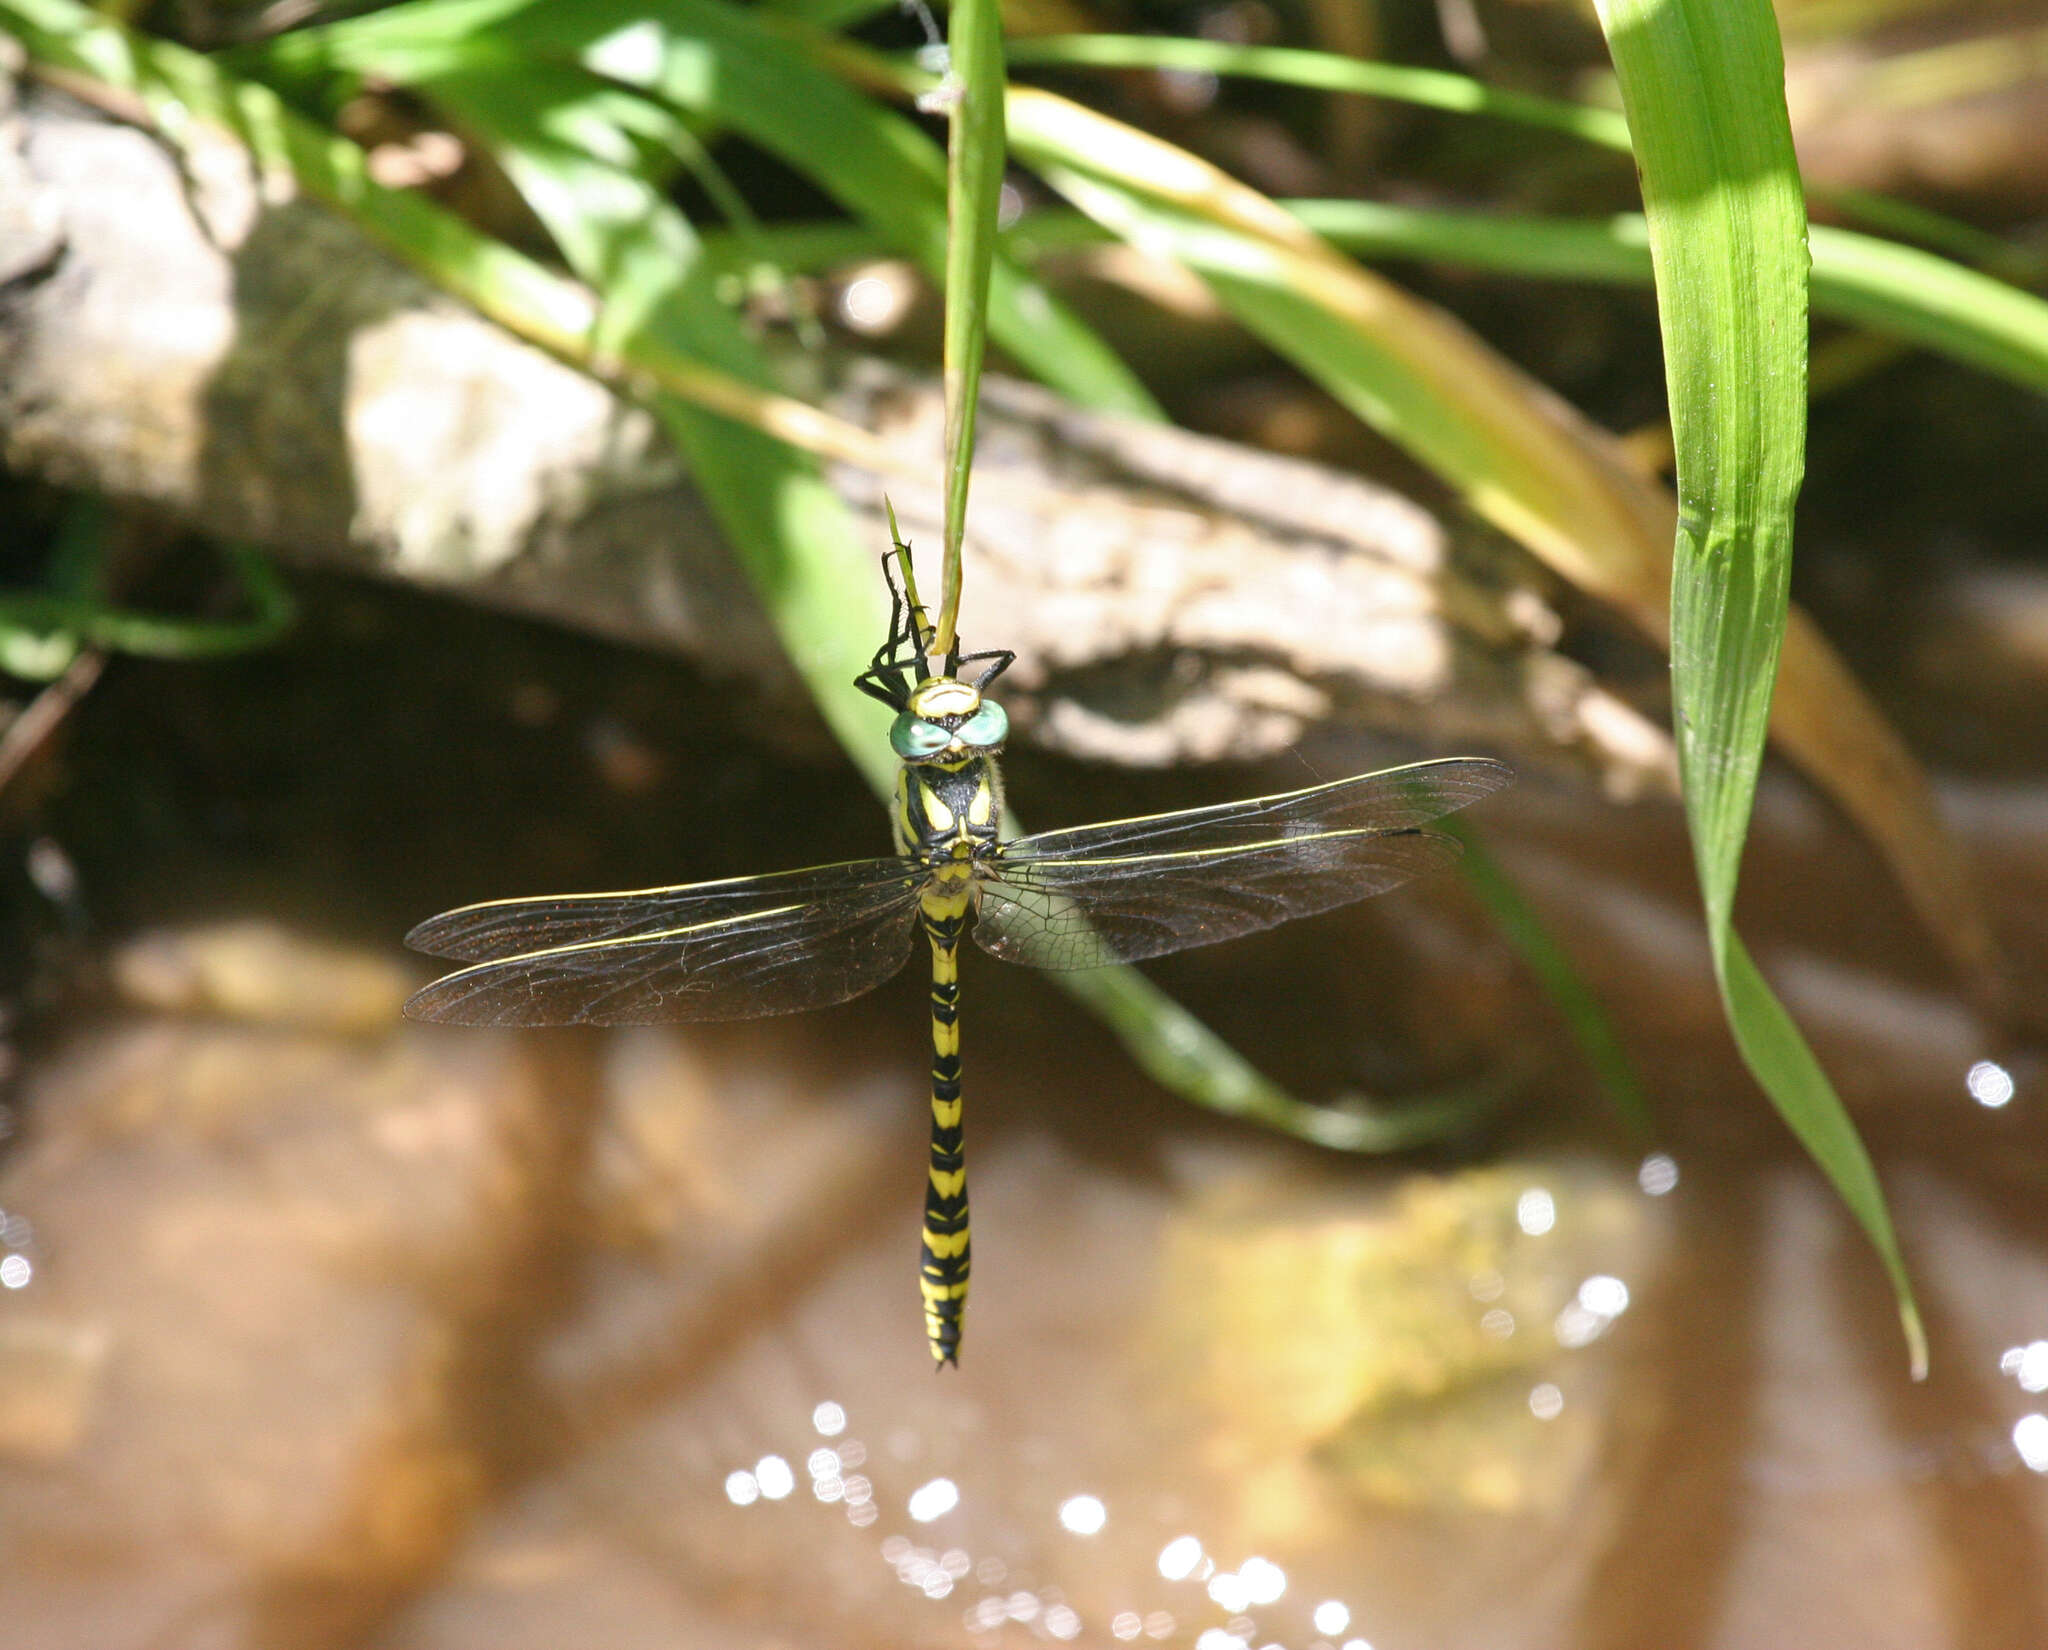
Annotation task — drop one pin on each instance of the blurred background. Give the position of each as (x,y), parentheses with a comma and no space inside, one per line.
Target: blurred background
(333,602)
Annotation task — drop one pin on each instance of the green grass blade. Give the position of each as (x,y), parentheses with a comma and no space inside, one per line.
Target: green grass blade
(1899,291)
(1185,1057)
(1545,956)
(975,157)
(1931,301)
(43,631)
(1461,94)
(1703,82)
(1325,71)
(732,68)
(830,14)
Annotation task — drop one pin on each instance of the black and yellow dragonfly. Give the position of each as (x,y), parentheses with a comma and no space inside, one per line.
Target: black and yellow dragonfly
(1070,899)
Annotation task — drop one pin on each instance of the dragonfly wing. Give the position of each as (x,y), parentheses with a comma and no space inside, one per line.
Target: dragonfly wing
(515,927)
(778,960)
(1085,913)
(1394,799)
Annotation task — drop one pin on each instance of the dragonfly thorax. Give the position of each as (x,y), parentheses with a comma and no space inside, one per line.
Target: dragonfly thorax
(948,811)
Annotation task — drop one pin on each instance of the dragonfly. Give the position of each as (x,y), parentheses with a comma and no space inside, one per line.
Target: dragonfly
(1084,897)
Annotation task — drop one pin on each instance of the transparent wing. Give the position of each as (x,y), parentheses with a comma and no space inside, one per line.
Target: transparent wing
(774,959)
(513,927)
(1394,799)
(1141,888)
(1085,913)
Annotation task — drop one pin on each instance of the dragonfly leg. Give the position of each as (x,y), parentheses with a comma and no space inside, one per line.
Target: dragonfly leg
(943,1259)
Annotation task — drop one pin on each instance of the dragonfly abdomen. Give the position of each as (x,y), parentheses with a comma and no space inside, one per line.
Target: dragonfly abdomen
(943,1261)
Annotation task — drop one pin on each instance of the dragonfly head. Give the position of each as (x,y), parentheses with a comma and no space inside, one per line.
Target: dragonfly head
(947,720)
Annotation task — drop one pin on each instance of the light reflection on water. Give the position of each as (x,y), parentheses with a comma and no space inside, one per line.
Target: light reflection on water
(1264,1580)
(1990,1084)
(1178,1558)
(773,1474)
(2027,1364)
(1658,1175)
(1083,1514)
(1536,1211)
(933,1500)
(1600,1300)
(2030,1438)
(1607,1296)
(1257,1582)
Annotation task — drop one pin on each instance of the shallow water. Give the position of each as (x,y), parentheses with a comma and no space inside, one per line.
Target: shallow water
(337,1332)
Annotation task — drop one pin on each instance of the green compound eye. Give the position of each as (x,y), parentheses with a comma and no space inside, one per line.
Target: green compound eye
(987,726)
(911,737)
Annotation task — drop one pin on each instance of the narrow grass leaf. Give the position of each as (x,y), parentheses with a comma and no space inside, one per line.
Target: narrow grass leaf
(1546,957)
(43,631)
(975,156)
(1325,71)
(1900,291)
(1703,83)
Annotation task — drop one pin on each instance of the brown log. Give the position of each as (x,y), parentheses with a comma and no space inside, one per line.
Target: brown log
(252,367)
